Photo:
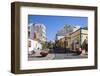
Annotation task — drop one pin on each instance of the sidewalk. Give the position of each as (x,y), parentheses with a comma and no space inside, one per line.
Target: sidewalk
(48,57)
(53,56)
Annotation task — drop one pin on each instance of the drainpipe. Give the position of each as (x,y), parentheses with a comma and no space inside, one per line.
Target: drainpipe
(80,36)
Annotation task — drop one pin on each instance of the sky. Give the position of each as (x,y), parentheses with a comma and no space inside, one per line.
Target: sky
(54,23)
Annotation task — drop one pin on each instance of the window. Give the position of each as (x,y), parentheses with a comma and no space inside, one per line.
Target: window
(29,43)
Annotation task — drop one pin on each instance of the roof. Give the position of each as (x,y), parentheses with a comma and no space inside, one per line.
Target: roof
(78,30)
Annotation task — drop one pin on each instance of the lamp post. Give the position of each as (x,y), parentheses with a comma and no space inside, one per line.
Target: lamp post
(65,43)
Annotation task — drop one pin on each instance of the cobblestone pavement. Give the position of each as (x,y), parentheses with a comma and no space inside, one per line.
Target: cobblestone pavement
(48,57)
(69,56)
(53,56)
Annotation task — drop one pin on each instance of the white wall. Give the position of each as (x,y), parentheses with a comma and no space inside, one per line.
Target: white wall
(5,33)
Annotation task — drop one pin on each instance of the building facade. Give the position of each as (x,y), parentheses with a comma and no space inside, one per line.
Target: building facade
(36,37)
(73,40)
(78,37)
(38,32)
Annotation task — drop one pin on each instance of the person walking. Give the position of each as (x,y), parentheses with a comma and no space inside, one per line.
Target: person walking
(85,45)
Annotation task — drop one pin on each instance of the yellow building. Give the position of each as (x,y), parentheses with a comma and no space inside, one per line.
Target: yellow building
(78,37)
(73,40)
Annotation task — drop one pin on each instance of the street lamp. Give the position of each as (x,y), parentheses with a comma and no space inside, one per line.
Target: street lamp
(65,43)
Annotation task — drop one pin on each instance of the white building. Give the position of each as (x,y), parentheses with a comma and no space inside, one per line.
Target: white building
(37,31)
(76,28)
(33,46)
(36,36)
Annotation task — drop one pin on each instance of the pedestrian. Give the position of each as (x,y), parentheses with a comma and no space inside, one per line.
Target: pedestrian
(78,50)
(85,45)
